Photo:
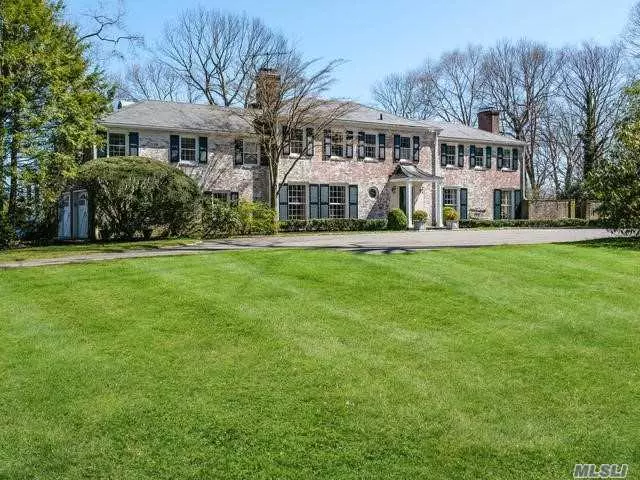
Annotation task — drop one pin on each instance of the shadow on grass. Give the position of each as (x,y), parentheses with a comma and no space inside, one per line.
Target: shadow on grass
(620,243)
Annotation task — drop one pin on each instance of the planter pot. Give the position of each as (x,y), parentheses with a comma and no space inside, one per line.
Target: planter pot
(452,225)
(419,226)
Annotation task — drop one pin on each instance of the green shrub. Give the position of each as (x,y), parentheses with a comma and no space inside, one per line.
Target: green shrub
(136,195)
(420,216)
(560,223)
(396,220)
(332,225)
(451,214)
(256,218)
(7,233)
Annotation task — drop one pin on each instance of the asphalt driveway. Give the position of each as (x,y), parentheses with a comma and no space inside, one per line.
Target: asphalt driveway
(365,242)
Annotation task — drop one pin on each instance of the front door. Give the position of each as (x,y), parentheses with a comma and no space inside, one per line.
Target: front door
(402,199)
(80,215)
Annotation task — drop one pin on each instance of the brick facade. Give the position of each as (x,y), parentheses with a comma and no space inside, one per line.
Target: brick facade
(251,182)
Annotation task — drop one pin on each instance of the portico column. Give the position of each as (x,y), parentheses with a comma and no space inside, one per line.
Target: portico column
(438,203)
(409,204)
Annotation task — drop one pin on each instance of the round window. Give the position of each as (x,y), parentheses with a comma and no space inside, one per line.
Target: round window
(373,192)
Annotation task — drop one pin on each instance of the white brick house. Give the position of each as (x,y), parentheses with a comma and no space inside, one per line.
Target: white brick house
(370,161)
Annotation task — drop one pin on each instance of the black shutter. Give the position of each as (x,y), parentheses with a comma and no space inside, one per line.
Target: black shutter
(314,201)
(174,148)
(443,155)
(396,148)
(472,156)
(381,146)
(360,145)
(464,199)
(416,149)
(353,201)
(514,159)
(497,202)
(517,203)
(283,201)
(237,154)
(203,149)
(286,141)
(499,158)
(487,161)
(101,150)
(348,151)
(326,154)
(461,155)
(134,144)
(264,157)
(310,142)
(324,201)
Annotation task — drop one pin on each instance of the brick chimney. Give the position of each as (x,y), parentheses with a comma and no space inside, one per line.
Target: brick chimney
(489,120)
(267,87)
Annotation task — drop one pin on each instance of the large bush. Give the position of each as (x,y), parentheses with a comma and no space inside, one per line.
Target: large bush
(396,220)
(7,234)
(556,223)
(135,195)
(221,219)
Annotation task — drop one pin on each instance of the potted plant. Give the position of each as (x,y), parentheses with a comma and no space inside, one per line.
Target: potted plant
(451,217)
(420,218)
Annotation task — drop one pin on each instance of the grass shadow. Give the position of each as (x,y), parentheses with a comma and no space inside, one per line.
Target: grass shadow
(618,243)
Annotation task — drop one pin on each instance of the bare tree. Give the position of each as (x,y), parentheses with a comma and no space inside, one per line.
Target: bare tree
(592,86)
(631,34)
(218,54)
(520,82)
(456,85)
(155,81)
(288,99)
(403,95)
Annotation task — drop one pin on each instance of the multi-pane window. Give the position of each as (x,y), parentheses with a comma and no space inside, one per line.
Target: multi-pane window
(337,144)
(337,200)
(506,161)
(297,201)
(370,145)
(449,152)
(505,205)
(405,148)
(297,141)
(187,149)
(117,144)
(220,196)
(477,158)
(249,152)
(450,197)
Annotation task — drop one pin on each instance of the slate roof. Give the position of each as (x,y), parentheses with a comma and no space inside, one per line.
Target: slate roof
(190,117)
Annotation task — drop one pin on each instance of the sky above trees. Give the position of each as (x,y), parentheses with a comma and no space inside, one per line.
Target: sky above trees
(378,38)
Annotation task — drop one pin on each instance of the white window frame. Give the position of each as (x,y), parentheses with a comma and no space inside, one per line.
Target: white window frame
(341,144)
(109,144)
(457,198)
(482,164)
(343,204)
(408,150)
(508,205)
(304,202)
(373,146)
(195,149)
(507,158)
(217,194)
(246,141)
(302,142)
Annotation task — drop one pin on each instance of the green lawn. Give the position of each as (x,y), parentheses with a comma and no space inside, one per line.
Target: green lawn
(69,249)
(505,363)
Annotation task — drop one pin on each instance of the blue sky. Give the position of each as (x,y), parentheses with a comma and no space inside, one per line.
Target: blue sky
(383,36)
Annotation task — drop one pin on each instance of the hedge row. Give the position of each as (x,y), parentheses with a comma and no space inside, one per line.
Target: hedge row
(560,223)
(332,225)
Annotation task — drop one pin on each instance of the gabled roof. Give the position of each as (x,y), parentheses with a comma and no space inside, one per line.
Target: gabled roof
(192,117)
(176,116)
(409,171)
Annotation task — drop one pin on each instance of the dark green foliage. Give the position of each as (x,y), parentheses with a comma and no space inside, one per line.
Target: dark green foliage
(396,220)
(220,219)
(7,234)
(132,195)
(333,225)
(561,223)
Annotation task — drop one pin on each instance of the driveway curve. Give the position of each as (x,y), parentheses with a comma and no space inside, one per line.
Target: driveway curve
(365,242)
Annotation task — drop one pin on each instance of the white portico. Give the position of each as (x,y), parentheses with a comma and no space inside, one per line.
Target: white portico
(408,176)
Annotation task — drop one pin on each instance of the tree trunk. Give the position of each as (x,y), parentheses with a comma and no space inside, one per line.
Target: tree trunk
(13,173)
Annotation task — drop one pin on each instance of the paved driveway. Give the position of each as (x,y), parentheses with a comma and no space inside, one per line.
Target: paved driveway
(366,242)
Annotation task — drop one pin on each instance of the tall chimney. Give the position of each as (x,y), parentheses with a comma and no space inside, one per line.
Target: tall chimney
(489,120)
(267,87)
